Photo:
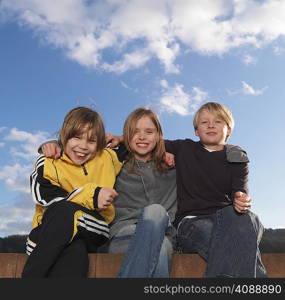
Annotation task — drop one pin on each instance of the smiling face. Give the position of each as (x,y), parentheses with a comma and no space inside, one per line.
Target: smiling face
(81,147)
(144,139)
(212,130)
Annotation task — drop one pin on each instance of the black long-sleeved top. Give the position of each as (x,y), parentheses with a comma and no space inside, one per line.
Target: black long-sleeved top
(206,181)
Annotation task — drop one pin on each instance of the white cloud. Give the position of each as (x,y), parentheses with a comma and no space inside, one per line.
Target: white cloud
(28,142)
(249,59)
(249,90)
(164,83)
(126,86)
(130,61)
(278,50)
(16,177)
(22,149)
(17,217)
(87,30)
(176,100)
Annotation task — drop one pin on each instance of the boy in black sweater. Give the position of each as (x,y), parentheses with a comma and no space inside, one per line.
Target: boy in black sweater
(213,216)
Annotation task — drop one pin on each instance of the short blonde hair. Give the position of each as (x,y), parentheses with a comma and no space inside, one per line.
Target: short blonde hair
(129,131)
(217,109)
(75,122)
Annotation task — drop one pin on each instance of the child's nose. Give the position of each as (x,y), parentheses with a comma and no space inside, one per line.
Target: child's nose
(83,144)
(141,136)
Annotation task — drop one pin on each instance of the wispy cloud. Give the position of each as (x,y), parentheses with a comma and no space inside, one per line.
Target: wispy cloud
(176,100)
(16,177)
(130,61)
(126,86)
(249,90)
(137,31)
(17,217)
(278,50)
(27,143)
(249,59)
(21,149)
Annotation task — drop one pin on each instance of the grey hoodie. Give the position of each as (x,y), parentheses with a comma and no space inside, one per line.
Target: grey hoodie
(138,190)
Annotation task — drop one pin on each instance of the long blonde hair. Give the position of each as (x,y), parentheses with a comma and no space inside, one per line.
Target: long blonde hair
(158,152)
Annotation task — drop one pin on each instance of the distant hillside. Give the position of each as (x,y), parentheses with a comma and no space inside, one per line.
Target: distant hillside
(13,244)
(273,241)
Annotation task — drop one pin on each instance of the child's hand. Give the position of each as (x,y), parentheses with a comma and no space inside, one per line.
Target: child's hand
(242,202)
(113,141)
(106,197)
(169,159)
(51,150)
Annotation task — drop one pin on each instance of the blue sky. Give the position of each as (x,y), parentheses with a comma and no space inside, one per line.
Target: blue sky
(117,55)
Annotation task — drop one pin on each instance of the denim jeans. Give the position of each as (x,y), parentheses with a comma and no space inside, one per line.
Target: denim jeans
(227,240)
(148,249)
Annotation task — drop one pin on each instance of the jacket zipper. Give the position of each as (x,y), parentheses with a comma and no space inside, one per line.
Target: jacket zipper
(84,170)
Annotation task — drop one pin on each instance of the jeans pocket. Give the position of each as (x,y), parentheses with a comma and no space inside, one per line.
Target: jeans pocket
(184,243)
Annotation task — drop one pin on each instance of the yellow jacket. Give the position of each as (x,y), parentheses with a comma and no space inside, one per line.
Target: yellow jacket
(60,180)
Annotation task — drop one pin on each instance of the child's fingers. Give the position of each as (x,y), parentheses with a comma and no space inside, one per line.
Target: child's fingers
(114,193)
(244,204)
(238,194)
(242,208)
(51,150)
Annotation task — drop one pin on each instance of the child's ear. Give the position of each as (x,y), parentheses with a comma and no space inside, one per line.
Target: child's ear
(229,131)
(196,132)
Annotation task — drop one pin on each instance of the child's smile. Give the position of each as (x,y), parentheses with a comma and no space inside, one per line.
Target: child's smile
(144,140)
(81,148)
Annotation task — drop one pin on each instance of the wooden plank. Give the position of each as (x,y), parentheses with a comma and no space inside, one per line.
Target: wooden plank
(108,265)
(104,265)
(8,264)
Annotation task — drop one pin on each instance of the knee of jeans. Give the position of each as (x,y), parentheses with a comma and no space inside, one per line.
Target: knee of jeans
(247,223)
(231,216)
(154,212)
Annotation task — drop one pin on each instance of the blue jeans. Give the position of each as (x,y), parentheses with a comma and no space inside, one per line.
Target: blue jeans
(227,240)
(148,250)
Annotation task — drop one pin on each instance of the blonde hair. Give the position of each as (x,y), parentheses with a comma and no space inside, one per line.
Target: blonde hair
(158,152)
(219,110)
(75,122)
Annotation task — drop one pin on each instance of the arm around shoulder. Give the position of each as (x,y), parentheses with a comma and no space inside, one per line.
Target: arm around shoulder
(238,160)
(236,154)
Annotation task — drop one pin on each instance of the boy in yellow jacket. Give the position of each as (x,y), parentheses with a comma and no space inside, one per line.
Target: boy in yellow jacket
(73,196)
